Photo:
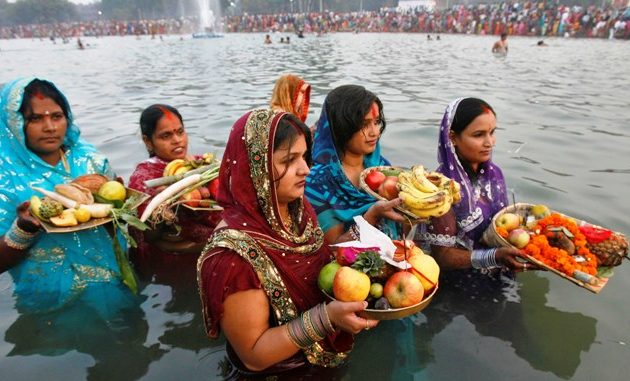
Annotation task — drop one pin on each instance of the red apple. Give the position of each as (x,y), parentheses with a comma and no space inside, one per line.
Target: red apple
(192,198)
(388,188)
(508,221)
(374,179)
(403,289)
(519,238)
(426,269)
(213,187)
(350,285)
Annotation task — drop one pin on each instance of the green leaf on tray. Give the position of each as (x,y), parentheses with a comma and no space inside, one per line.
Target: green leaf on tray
(605,272)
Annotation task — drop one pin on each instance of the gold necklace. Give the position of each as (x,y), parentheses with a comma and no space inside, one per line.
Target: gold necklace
(64,160)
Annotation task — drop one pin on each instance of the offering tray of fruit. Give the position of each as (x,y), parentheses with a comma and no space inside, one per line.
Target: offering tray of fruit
(423,194)
(84,203)
(394,313)
(395,277)
(577,251)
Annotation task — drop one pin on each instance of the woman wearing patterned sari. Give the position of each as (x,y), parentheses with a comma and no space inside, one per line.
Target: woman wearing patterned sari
(465,155)
(346,142)
(258,274)
(40,146)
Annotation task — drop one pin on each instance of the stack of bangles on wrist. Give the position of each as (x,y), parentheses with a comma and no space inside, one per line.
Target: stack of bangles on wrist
(310,327)
(484,258)
(19,239)
(354,232)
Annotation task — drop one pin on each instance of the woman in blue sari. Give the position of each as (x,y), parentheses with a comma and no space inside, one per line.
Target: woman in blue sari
(40,146)
(346,142)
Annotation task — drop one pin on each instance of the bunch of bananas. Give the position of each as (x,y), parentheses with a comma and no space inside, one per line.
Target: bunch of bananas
(178,166)
(427,194)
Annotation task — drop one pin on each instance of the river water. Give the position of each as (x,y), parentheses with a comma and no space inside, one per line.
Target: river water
(563,139)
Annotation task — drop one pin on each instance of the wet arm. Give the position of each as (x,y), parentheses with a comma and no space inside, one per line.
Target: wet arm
(245,323)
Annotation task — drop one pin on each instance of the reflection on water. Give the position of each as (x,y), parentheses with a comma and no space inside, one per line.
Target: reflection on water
(562,139)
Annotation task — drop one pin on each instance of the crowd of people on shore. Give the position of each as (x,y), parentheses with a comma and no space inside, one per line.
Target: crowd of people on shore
(521,19)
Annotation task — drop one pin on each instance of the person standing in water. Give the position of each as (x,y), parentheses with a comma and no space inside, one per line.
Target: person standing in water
(501,46)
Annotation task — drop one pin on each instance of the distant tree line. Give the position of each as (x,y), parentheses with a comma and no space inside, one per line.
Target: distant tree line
(54,11)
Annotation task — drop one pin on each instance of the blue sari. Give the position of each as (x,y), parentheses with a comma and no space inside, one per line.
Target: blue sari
(333,196)
(59,269)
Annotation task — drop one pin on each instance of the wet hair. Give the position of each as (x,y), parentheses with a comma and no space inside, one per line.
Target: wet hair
(541,42)
(503,36)
(346,107)
(467,110)
(152,115)
(288,130)
(42,88)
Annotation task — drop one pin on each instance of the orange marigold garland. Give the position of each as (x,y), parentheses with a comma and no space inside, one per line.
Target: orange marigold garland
(557,258)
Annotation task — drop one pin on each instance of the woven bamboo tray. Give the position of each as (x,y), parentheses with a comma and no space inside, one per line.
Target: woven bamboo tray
(377,196)
(394,313)
(493,239)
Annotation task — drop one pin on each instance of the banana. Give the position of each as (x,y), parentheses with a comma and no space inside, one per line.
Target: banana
(420,180)
(437,211)
(455,191)
(172,167)
(427,203)
(414,192)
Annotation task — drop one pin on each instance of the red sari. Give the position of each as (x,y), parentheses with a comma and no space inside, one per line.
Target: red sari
(256,251)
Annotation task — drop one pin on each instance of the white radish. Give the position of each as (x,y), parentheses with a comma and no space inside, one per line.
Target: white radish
(65,201)
(167,193)
(96,210)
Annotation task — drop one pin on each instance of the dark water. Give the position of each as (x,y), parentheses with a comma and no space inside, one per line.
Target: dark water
(563,115)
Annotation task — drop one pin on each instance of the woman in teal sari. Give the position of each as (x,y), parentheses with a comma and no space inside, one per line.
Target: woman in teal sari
(347,140)
(40,146)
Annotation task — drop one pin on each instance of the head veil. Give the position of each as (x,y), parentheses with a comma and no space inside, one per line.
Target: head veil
(329,190)
(481,199)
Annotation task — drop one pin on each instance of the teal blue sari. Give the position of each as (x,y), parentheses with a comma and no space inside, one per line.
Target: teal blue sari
(60,268)
(335,199)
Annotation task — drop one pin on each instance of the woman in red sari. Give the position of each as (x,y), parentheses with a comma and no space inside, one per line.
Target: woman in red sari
(165,138)
(258,274)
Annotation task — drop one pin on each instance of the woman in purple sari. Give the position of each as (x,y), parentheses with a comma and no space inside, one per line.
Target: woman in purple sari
(465,155)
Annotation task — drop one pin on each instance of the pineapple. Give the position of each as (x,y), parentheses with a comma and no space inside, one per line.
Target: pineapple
(371,263)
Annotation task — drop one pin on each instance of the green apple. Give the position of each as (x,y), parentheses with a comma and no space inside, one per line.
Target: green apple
(326,277)
(376,290)
(508,221)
